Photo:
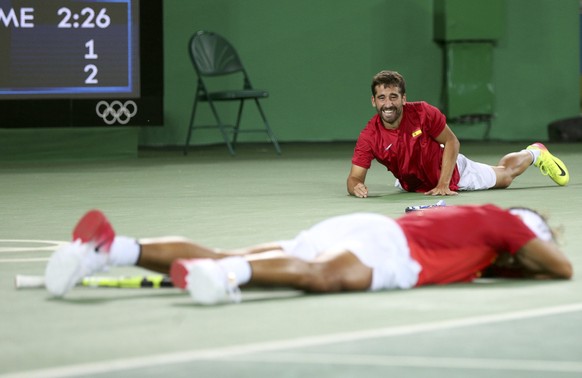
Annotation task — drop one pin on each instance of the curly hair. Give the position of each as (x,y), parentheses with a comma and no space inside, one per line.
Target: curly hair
(389,79)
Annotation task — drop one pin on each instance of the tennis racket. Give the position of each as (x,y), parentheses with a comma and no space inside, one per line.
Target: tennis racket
(22,281)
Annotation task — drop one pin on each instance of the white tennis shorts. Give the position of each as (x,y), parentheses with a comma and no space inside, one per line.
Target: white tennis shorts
(375,239)
(474,176)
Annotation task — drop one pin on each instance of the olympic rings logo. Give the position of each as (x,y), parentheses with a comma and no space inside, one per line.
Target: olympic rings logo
(116,111)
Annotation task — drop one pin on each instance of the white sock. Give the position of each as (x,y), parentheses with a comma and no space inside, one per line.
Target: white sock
(124,251)
(535,153)
(237,265)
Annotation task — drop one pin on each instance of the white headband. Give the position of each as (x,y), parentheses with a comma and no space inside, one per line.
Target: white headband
(534,222)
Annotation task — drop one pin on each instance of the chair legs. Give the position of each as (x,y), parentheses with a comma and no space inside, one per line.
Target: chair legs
(268,128)
(219,124)
(230,144)
(190,126)
(222,128)
(238,118)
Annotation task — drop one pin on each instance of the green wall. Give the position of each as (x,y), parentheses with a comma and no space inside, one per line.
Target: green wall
(317,58)
(536,67)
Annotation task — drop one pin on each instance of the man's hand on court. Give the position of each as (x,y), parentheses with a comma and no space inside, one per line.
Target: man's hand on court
(441,190)
(360,190)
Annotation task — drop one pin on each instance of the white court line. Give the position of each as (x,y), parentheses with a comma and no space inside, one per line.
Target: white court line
(104,367)
(416,361)
(53,244)
(20,260)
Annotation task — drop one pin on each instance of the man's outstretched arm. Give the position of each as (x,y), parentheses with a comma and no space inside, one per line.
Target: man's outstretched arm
(356,179)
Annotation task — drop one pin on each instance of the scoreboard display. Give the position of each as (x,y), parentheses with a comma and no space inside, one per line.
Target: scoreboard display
(59,48)
(81,63)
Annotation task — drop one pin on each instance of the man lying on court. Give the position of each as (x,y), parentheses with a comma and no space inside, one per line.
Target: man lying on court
(354,252)
(413,141)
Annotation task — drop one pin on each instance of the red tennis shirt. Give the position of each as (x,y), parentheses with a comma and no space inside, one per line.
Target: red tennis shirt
(454,244)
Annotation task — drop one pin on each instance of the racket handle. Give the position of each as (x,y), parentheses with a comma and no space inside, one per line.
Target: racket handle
(23,281)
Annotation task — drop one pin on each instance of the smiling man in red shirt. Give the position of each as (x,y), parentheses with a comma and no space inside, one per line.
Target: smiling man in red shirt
(413,141)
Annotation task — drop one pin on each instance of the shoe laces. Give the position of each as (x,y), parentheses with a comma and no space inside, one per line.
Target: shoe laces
(548,166)
(93,261)
(543,168)
(545,162)
(232,288)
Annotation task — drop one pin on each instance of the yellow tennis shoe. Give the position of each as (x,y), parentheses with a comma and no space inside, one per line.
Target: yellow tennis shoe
(550,165)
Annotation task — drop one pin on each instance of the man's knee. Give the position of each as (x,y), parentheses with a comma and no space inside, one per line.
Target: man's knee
(319,279)
(503,180)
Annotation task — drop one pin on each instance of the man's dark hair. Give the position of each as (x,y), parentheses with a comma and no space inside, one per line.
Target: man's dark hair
(389,79)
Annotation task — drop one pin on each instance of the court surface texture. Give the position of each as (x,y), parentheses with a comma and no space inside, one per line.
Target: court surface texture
(497,328)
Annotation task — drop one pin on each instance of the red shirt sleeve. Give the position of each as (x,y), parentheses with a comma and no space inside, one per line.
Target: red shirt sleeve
(436,120)
(363,152)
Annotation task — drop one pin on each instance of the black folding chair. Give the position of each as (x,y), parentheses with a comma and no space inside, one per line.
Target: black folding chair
(214,56)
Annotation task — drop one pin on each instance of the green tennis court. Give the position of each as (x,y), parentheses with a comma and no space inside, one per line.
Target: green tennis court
(497,328)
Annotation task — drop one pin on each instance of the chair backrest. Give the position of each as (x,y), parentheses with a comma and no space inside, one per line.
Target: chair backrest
(212,55)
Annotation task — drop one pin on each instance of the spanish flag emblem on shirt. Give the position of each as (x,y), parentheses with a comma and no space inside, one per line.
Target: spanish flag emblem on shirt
(416,133)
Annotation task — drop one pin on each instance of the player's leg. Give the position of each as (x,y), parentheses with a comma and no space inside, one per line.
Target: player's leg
(510,166)
(157,254)
(217,281)
(332,271)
